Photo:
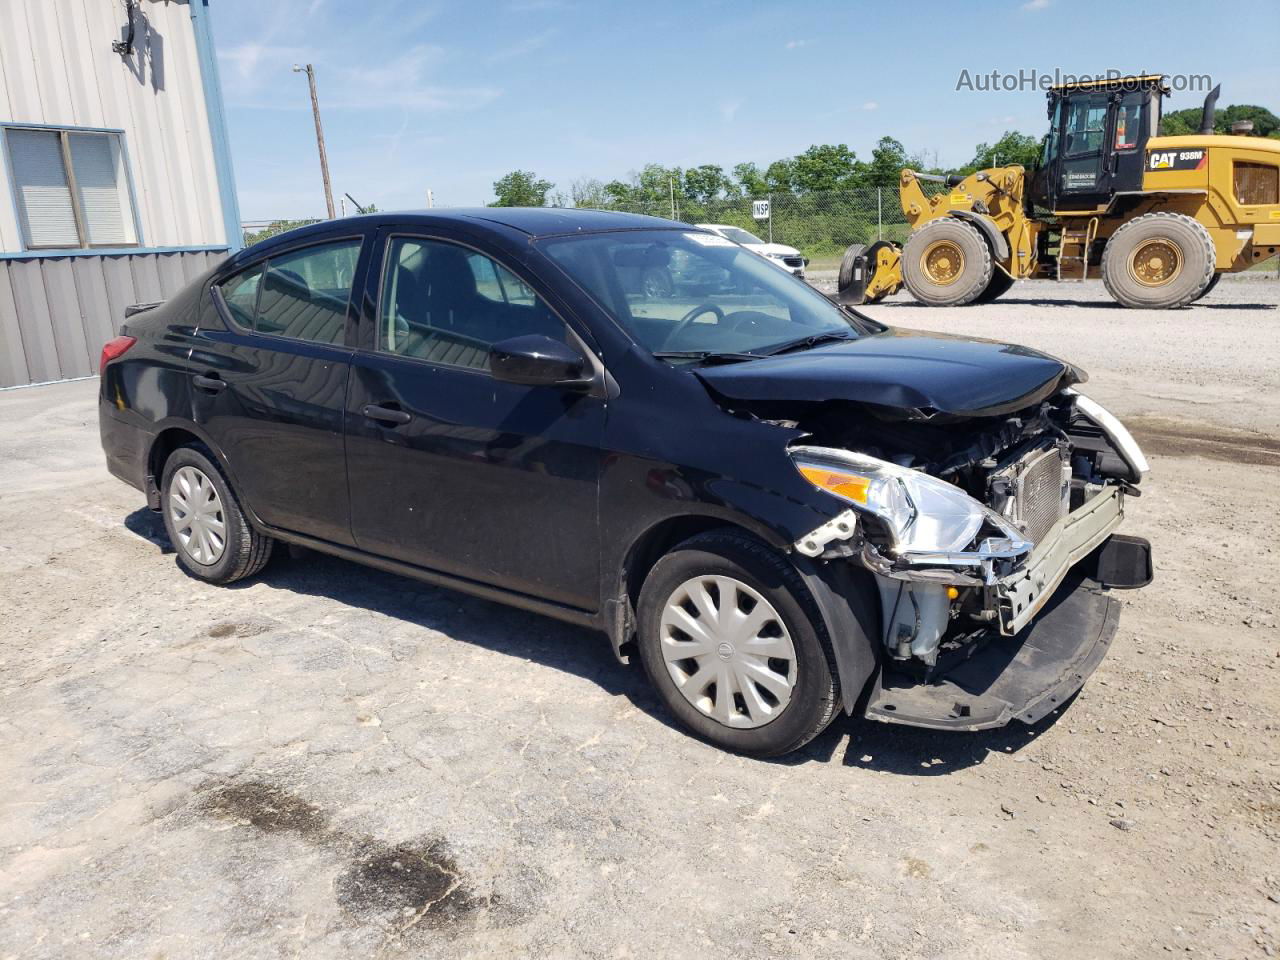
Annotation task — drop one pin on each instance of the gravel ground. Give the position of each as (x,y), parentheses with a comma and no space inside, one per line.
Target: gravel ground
(331,761)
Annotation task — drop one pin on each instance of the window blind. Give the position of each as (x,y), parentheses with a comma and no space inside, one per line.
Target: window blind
(100,184)
(40,182)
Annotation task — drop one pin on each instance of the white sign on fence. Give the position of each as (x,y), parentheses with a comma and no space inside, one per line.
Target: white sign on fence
(760,209)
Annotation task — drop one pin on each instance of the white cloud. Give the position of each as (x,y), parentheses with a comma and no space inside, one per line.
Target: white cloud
(729,109)
(523,47)
(796,44)
(871,105)
(247,58)
(404,82)
(1036,4)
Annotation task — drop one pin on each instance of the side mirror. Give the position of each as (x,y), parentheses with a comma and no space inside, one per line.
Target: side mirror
(538,361)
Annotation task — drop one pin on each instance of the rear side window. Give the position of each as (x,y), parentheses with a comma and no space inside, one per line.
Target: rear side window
(302,295)
(1257,183)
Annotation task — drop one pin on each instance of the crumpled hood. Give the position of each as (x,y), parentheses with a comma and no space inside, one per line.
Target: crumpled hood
(901,369)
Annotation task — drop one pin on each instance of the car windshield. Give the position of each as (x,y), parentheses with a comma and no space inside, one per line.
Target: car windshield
(697,293)
(738,235)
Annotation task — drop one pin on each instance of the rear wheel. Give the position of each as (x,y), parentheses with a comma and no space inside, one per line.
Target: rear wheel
(735,646)
(1158,261)
(208,529)
(1207,290)
(1000,284)
(947,263)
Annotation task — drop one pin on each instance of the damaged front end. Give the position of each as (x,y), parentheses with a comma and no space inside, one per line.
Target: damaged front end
(992,540)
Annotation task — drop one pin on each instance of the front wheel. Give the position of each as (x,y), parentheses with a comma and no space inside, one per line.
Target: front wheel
(736,647)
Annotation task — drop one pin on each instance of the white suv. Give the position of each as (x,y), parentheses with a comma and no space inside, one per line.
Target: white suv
(789,258)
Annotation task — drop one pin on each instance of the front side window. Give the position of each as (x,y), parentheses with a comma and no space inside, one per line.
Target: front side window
(70,188)
(448,304)
(302,294)
(689,293)
(1086,124)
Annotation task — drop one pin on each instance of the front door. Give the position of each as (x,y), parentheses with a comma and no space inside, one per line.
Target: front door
(270,384)
(451,469)
(1084,177)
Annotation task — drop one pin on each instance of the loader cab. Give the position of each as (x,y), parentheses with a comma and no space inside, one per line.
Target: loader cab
(1097,135)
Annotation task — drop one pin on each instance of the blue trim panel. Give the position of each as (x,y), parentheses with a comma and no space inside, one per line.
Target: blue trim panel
(217,123)
(56,254)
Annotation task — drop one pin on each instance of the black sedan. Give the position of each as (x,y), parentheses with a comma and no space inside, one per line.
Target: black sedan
(782,507)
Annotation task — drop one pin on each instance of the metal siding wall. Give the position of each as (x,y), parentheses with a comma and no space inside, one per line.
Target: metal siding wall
(34,321)
(57,312)
(13,355)
(57,68)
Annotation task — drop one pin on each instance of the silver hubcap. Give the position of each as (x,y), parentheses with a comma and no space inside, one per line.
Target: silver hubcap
(728,651)
(195,510)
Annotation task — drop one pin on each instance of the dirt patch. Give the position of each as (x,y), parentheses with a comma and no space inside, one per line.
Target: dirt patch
(413,884)
(268,808)
(1184,438)
(417,883)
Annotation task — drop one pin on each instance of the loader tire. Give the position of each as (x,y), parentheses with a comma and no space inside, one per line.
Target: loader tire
(851,289)
(1158,261)
(947,263)
(1209,289)
(1000,284)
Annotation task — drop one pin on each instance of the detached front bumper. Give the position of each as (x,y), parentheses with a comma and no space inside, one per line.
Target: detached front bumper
(1023,677)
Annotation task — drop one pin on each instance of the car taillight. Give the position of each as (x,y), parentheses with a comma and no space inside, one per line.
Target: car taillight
(114,348)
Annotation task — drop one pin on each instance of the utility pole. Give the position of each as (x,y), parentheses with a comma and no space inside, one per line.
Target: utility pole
(315,112)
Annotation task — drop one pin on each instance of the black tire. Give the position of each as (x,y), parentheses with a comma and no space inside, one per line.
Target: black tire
(974,273)
(815,695)
(1209,289)
(847,291)
(245,551)
(1194,272)
(1000,284)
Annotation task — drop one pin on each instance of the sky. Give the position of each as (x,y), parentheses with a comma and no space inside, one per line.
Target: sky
(448,96)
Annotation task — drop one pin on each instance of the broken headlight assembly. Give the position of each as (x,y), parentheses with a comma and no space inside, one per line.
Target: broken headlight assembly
(924,520)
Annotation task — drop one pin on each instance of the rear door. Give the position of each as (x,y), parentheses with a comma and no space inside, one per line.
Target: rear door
(449,468)
(270,382)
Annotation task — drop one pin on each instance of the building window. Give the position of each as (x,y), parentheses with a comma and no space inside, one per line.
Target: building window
(70,188)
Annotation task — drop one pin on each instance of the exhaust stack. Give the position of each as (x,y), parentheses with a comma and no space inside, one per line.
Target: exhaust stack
(1210,106)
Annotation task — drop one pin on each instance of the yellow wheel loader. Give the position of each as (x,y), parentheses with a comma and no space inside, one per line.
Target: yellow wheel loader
(1159,218)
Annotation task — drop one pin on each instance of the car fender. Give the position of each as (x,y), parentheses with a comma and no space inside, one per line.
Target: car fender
(195,429)
(847,599)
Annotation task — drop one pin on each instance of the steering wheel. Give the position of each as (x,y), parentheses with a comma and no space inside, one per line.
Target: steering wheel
(692,315)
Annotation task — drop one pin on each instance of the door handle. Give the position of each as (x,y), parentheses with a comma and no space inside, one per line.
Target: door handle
(214,384)
(386,414)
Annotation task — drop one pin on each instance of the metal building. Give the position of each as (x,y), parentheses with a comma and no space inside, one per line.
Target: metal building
(115,174)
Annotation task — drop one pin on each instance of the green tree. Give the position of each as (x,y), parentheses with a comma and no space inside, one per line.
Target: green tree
(888,158)
(1183,122)
(780,177)
(1012,148)
(750,181)
(521,188)
(706,183)
(590,193)
(825,167)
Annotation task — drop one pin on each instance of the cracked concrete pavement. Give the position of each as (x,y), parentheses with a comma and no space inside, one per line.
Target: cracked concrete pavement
(330,761)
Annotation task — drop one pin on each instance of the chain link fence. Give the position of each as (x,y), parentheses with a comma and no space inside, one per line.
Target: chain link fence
(818,224)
